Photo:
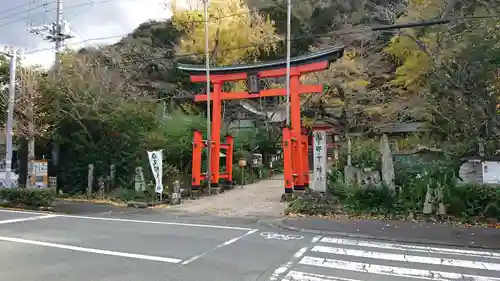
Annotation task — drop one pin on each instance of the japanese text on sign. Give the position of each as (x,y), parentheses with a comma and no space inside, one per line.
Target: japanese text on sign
(156,163)
(319,154)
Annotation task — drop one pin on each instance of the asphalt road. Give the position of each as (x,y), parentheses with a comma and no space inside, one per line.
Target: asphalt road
(150,247)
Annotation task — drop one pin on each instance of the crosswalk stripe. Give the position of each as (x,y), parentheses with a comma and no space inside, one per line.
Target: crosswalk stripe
(391,270)
(414,248)
(406,258)
(303,276)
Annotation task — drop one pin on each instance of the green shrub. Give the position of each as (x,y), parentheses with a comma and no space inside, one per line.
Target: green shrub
(27,197)
(247,175)
(473,200)
(364,154)
(127,194)
(310,206)
(370,199)
(335,184)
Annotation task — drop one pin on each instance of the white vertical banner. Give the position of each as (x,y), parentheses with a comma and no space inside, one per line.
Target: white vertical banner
(156,164)
(319,154)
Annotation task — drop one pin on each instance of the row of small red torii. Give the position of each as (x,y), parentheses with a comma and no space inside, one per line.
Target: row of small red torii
(295,143)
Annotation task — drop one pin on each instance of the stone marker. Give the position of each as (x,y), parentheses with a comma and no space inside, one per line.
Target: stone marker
(139,182)
(387,164)
(428,202)
(176,193)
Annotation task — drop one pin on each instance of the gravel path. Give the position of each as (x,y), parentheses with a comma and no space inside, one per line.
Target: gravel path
(260,199)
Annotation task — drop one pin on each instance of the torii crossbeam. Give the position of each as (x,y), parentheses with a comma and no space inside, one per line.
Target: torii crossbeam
(295,146)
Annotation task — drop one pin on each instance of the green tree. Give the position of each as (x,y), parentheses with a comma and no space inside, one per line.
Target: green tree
(451,67)
(98,119)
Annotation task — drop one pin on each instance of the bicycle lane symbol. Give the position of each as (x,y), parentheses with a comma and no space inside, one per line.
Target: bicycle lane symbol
(278,236)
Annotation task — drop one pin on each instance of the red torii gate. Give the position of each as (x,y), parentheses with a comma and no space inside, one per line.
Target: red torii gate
(295,146)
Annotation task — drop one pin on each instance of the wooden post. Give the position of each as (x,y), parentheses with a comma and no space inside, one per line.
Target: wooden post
(196,163)
(229,159)
(90,180)
(287,160)
(305,159)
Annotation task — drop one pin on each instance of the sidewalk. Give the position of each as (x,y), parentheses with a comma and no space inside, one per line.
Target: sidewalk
(400,231)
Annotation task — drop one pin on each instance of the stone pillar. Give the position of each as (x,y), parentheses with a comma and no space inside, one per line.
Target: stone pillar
(90,180)
(176,193)
(139,180)
(387,164)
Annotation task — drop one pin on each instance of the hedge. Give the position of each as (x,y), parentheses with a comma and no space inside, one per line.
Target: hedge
(462,201)
(27,197)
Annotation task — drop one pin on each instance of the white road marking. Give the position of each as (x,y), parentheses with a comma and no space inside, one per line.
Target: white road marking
(22,212)
(135,221)
(91,250)
(278,236)
(392,270)
(286,266)
(228,242)
(303,276)
(28,219)
(406,258)
(315,239)
(415,248)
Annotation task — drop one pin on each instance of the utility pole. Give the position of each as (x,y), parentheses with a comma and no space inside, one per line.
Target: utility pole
(288,54)
(27,91)
(207,66)
(10,119)
(55,32)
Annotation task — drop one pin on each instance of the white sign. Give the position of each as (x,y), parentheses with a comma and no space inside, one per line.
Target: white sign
(39,174)
(319,154)
(156,164)
(491,172)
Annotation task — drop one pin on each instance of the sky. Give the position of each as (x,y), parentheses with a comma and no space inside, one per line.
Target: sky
(88,19)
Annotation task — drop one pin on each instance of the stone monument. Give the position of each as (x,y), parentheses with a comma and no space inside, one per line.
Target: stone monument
(387,164)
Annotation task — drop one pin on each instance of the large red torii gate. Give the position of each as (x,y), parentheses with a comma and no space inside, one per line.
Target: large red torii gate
(295,146)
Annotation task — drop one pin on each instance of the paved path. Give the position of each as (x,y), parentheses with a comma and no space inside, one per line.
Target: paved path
(261,199)
(153,246)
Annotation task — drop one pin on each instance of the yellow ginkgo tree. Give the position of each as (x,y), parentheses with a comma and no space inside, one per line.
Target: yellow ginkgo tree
(237,34)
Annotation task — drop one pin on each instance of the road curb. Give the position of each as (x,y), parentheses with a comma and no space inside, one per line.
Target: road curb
(351,235)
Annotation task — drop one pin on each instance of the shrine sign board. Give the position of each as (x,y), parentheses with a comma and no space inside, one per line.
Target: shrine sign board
(320,167)
(39,177)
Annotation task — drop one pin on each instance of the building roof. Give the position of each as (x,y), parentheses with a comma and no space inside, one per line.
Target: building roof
(331,54)
(409,127)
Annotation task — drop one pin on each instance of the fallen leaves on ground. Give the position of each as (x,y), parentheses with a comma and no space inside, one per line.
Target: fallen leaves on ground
(353,217)
(95,201)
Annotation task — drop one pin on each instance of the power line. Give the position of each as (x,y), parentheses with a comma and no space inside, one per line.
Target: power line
(186,21)
(108,1)
(17,7)
(123,35)
(55,9)
(24,11)
(91,3)
(296,38)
